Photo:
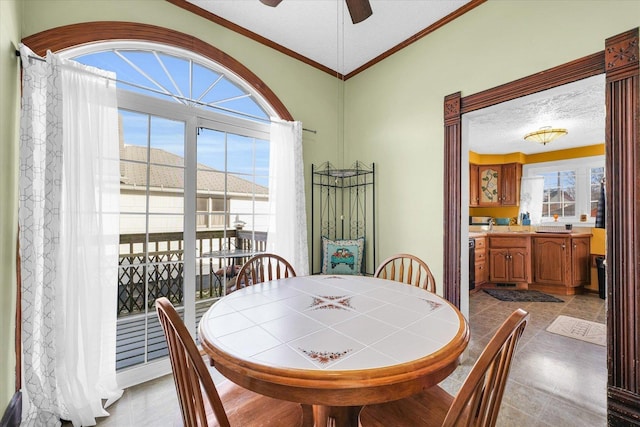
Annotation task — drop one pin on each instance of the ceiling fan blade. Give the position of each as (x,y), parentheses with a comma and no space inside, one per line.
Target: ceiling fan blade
(359,10)
(272,3)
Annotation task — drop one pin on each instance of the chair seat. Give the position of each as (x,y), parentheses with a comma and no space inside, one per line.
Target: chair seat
(246,408)
(427,408)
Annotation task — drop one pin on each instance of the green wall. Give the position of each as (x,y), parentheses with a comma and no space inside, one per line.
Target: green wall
(394,110)
(9,112)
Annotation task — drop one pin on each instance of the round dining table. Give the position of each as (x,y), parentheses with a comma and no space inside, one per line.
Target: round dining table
(334,343)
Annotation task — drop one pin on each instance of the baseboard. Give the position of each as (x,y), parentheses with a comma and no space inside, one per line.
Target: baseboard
(13,414)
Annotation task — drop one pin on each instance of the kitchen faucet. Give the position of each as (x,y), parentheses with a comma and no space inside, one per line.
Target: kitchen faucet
(491,222)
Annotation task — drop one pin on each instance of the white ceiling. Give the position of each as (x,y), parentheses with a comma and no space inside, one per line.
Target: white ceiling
(312,28)
(578,107)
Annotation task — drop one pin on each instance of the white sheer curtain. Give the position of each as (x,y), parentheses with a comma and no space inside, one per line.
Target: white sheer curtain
(531,195)
(287,234)
(69,204)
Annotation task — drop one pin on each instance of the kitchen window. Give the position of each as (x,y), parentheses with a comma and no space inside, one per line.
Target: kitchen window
(571,188)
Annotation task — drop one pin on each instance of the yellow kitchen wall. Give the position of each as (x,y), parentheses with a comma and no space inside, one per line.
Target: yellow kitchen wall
(10,12)
(498,159)
(598,243)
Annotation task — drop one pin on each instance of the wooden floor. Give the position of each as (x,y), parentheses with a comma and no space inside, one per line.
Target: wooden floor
(130,338)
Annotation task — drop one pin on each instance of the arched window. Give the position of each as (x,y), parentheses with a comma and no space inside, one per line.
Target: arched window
(194,148)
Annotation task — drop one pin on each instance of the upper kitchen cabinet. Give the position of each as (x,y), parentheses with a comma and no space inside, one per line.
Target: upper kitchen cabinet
(474,187)
(495,185)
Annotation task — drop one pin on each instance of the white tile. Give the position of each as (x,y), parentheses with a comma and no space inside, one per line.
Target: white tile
(284,356)
(330,314)
(404,346)
(248,342)
(437,330)
(299,303)
(364,304)
(278,291)
(445,314)
(395,315)
(226,324)
(421,305)
(364,329)
(248,300)
(325,348)
(221,308)
(267,312)
(292,327)
(363,359)
(383,293)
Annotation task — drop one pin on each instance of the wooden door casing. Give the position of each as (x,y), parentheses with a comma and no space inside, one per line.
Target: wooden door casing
(620,62)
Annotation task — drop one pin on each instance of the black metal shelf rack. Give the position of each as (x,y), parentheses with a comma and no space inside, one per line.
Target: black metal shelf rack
(343,206)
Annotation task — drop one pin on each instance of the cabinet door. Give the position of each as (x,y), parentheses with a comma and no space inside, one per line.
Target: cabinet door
(510,181)
(474,187)
(498,266)
(550,260)
(518,260)
(580,257)
(489,181)
(481,273)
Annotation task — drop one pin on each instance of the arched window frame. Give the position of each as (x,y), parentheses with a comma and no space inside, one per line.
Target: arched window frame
(76,39)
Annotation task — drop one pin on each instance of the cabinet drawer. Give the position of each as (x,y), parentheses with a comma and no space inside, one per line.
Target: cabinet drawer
(480,256)
(481,272)
(481,243)
(508,242)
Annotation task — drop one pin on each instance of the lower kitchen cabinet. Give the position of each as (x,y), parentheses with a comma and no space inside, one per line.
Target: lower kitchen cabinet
(557,263)
(560,263)
(482,273)
(509,259)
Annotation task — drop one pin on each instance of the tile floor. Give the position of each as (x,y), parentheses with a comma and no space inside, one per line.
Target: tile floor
(555,381)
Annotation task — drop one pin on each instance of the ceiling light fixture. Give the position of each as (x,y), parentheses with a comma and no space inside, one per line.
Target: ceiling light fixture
(545,135)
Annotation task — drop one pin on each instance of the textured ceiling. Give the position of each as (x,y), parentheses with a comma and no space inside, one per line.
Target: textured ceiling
(579,107)
(321,30)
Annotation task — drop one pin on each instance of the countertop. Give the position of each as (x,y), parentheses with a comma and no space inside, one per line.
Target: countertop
(523,232)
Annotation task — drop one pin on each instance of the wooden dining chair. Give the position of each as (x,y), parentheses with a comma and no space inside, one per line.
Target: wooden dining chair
(263,267)
(408,269)
(201,403)
(478,401)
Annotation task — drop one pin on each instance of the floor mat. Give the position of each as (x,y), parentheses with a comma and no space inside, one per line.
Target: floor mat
(580,329)
(521,296)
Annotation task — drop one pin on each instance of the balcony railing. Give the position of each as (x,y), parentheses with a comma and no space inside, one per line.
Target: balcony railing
(144,276)
(160,270)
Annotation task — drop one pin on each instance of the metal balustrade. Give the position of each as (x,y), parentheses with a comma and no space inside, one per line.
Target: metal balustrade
(144,276)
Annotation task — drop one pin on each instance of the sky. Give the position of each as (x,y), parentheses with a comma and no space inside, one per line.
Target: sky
(176,79)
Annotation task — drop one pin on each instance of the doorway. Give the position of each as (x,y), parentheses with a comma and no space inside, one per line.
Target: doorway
(620,62)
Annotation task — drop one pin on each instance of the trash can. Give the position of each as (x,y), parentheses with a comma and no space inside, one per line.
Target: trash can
(602,278)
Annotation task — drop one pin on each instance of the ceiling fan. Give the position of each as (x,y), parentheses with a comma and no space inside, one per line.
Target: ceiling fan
(358,9)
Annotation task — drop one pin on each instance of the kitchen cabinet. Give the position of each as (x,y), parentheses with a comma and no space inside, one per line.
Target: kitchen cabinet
(561,263)
(481,271)
(474,188)
(495,185)
(509,259)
